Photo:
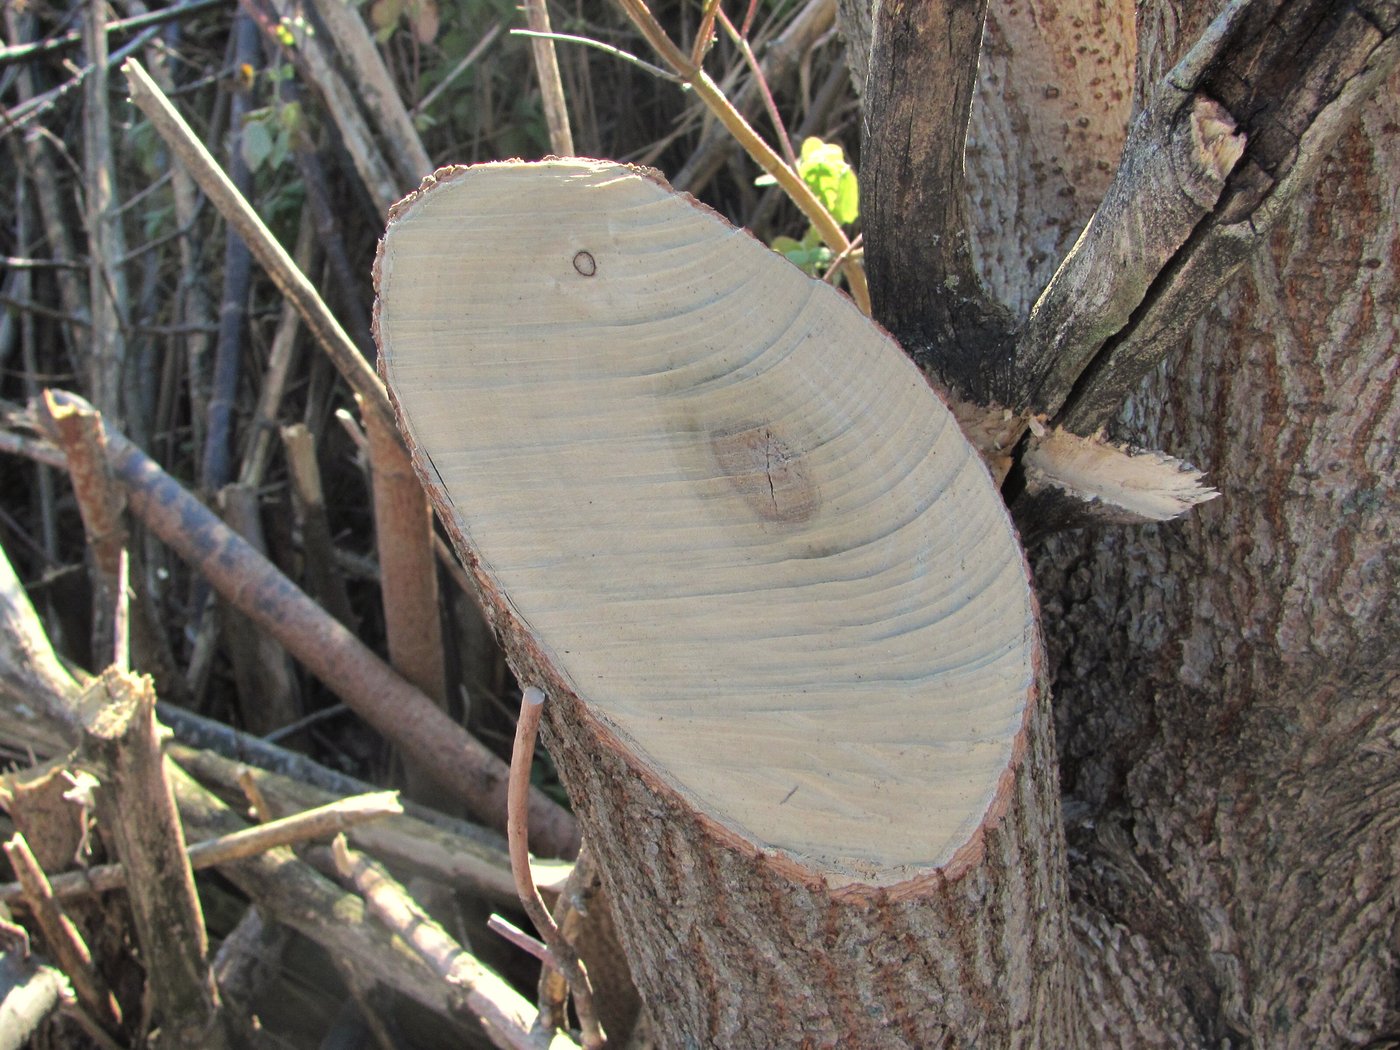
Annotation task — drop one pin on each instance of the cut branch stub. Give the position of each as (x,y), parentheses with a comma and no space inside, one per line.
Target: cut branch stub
(732,531)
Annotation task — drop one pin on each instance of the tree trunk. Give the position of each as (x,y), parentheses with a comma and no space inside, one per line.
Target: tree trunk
(1226,685)
(1227,689)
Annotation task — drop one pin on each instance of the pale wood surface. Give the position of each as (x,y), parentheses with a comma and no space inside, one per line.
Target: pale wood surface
(732,516)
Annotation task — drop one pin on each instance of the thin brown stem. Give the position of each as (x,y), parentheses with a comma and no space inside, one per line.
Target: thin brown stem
(564,957)
(522,940)
(765,92)
(704,36)
(714,99)
(62,937)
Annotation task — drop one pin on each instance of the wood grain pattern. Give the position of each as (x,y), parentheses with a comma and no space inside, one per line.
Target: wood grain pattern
(732,518)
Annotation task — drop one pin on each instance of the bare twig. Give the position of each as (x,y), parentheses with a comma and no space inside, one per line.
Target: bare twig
(556,113)
(607,49)
(239,213)
(522,940)
(461,67)
(321,822)
(714,99)
(216,464)
(779,128)
(503,1011)
(106,242)
(562,953)
(280,360)
(62,936)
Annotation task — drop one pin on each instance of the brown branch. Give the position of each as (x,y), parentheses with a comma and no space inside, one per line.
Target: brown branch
(564,957)
(240,215)
(532,946)
(1288,76)
(480,991)
(461,765)
(78,433)
(62,937)
(137,809)
(408,581)
(321,822)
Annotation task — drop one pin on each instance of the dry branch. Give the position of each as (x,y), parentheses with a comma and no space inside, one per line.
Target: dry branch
(408,580)
(137,809)
(556,113)
(506,1016)
(62,937)
(78,433)
(321,822)
(240,215)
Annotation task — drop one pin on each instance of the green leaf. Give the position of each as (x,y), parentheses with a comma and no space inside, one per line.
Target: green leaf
(824,168)
(255,144)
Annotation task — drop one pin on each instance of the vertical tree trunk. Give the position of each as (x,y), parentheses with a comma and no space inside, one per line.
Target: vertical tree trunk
(1226,687)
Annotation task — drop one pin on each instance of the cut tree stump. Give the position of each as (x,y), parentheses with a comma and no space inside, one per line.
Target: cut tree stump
(772,593)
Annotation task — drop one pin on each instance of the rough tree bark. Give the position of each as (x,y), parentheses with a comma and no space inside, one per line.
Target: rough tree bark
(1227,685)
(1226,694)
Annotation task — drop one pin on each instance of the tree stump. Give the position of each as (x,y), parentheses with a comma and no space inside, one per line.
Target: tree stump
(772,593)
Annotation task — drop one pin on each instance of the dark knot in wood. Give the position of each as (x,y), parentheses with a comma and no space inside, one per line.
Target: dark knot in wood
(585,264)
(767,472)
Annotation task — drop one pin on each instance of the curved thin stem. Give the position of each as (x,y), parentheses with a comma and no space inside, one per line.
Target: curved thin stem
(715,100)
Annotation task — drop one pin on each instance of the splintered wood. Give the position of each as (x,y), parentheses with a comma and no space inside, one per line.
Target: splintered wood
(713,503)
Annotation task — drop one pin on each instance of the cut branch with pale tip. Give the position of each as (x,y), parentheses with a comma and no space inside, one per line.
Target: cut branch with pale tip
(1072,481)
